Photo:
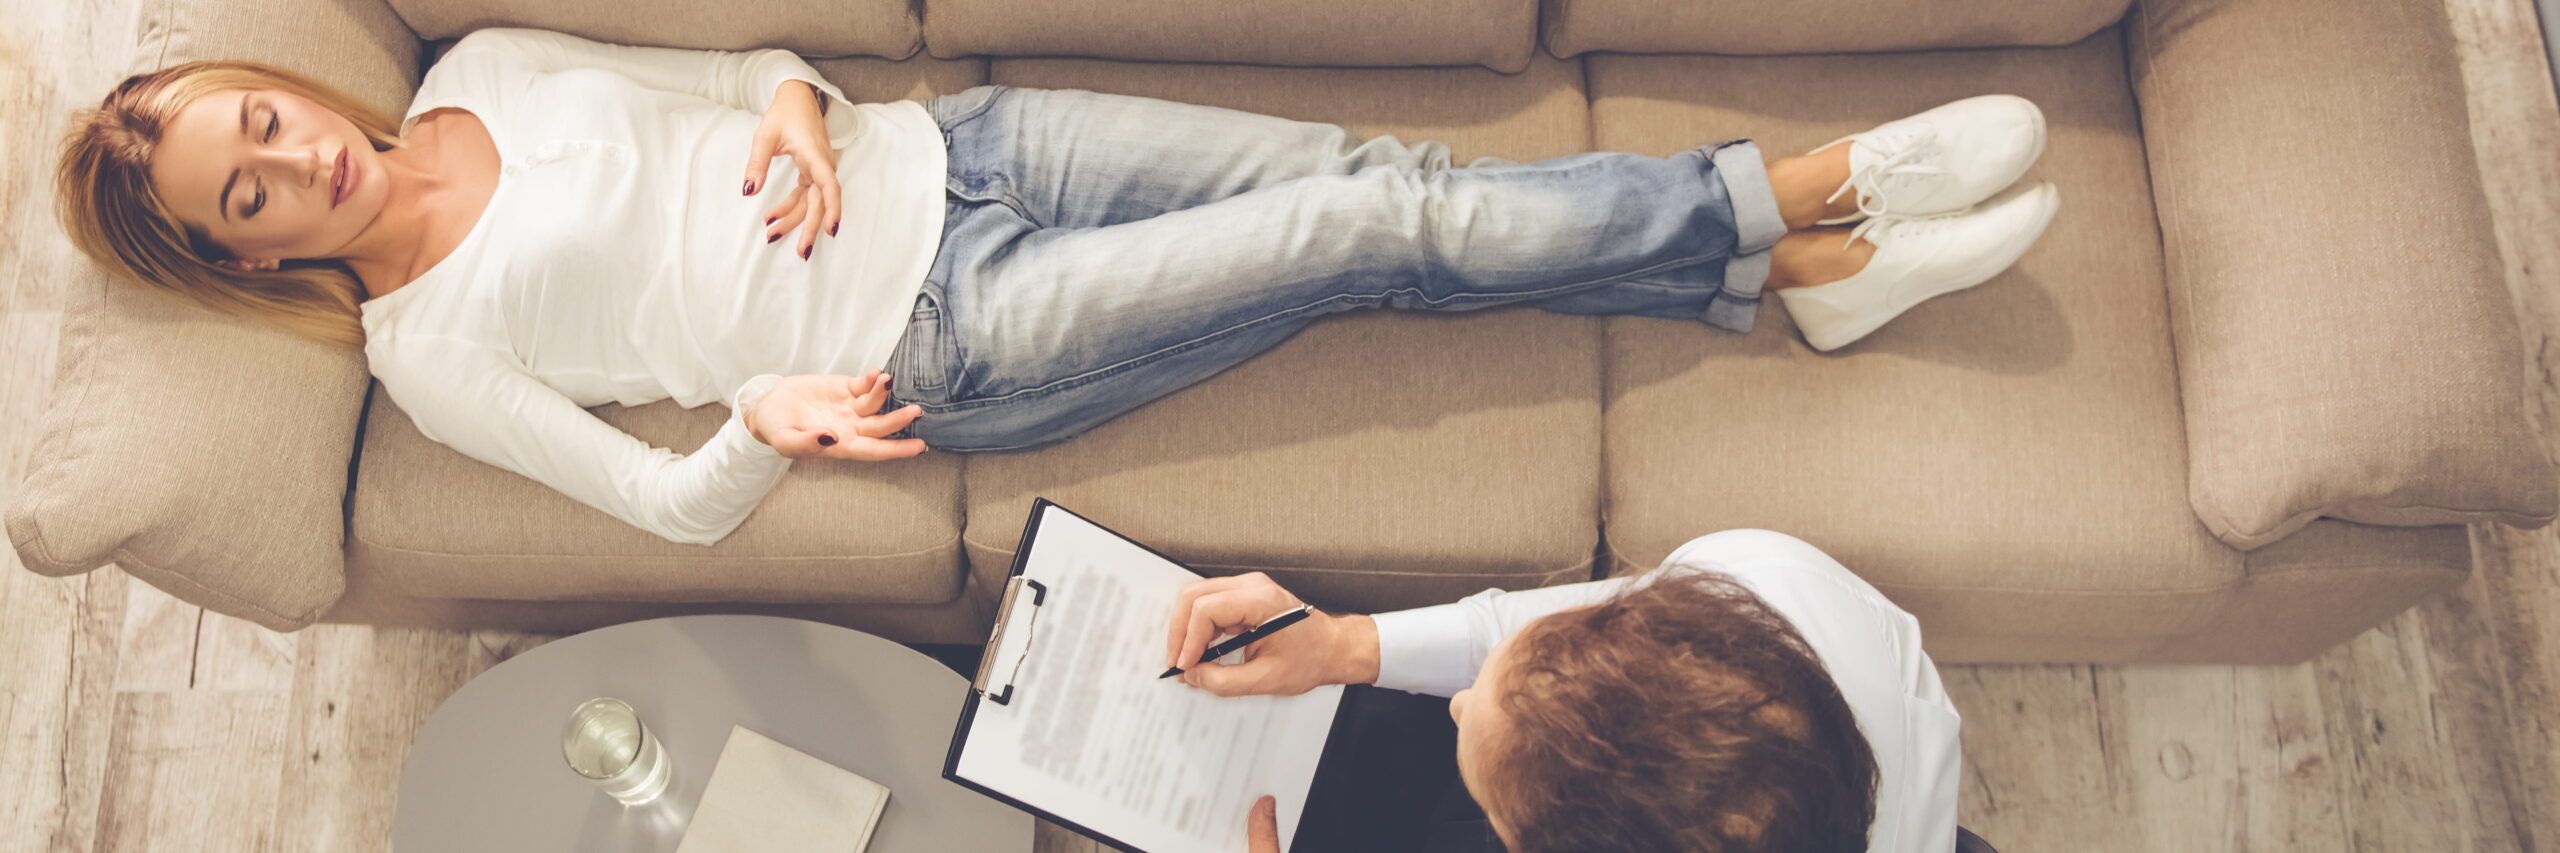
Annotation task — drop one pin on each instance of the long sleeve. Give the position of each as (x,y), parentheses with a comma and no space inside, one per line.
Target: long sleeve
(481,403)
(746,80)
(1437,649)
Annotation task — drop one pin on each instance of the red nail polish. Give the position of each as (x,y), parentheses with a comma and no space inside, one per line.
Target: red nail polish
(826,441)
(769,219)
(831,229)
(804,253)
(748,188)
(773,238)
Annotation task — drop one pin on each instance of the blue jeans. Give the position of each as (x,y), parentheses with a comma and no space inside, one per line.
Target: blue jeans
(1102,251)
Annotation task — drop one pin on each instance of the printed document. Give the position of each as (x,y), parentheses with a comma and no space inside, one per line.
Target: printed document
(1092,737)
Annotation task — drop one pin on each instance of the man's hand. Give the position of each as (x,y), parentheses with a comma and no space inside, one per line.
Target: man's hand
(1262,826)
(1326,649)
(833,416)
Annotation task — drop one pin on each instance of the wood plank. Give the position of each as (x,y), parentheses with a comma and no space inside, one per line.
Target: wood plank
(2378,693)
(158,640)
(236,654)
(2289,787)
(29,345)
(2516,591)
(359,696)
(2475,719)
(57,682)
(192,769)
(2036,772)
(1048,837)
(2173,734)
(490,648)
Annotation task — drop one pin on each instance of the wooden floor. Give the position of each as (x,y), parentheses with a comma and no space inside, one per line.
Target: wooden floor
(129,721)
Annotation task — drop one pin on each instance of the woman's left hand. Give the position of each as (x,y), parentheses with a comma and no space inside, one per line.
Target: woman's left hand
(795,126)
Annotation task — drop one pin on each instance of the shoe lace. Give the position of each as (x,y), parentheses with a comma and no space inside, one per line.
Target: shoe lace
(1893,226)
(1869,181)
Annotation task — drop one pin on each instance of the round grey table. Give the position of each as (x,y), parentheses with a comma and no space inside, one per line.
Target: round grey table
(485,774)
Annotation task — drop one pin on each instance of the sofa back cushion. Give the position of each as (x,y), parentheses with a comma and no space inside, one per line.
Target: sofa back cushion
(885,28)
(1497,34)
(1574,27)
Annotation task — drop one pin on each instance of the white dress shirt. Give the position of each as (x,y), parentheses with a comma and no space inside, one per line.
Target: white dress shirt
(1870,647)
(617,261)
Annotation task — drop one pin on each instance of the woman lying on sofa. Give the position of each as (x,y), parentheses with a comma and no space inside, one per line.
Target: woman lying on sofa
(548,228)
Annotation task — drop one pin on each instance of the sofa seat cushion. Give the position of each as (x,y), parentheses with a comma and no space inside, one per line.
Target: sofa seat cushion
(432,522)
(1381,459)
(2322,586)
(2006,462)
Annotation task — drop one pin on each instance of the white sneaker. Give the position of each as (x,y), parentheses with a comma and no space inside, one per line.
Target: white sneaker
(1942,160)
(1918,257)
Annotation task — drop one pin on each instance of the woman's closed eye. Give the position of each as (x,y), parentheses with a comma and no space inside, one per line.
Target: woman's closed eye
(259,201)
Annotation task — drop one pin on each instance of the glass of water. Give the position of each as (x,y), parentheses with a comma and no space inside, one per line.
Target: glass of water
(606,743)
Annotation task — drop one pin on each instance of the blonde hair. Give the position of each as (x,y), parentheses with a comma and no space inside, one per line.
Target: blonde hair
(106,201)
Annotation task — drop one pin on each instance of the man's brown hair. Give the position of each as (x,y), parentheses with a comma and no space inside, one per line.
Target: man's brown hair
(1683,714)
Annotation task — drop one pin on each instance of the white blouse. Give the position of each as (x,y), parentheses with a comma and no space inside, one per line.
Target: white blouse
(1870,648)
(618,262)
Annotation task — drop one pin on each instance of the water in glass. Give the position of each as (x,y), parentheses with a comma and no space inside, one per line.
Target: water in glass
(606,743)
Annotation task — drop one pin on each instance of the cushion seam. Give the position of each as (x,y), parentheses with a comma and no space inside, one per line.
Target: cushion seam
(944,545)
(2306,516)
(2299,568)
(123,557)
(1621,557)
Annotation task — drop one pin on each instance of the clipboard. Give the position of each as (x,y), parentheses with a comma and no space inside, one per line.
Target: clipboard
(988,686)
(1019,621)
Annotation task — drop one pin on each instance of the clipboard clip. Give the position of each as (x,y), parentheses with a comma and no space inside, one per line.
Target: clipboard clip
(1005,607)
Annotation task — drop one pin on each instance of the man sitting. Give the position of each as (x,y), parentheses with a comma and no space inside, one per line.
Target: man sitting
(1751,694)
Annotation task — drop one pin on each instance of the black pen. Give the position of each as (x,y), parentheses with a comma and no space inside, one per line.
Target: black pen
(1267,628)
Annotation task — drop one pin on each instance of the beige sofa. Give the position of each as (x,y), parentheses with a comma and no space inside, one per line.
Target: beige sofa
(2236,405)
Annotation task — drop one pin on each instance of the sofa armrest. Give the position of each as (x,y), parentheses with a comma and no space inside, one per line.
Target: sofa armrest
(2346,343)
(203,454)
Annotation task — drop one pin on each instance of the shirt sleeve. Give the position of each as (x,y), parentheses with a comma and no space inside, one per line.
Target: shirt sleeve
(482,403)
(1437,650)
(746,80)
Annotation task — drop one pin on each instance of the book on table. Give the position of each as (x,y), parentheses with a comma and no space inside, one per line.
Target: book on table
(764,796)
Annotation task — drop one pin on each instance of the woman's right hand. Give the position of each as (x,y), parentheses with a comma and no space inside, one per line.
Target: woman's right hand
(834,416)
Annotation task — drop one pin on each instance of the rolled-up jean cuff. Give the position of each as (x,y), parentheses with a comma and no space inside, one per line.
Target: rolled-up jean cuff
(1756,227)
(1738,302)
